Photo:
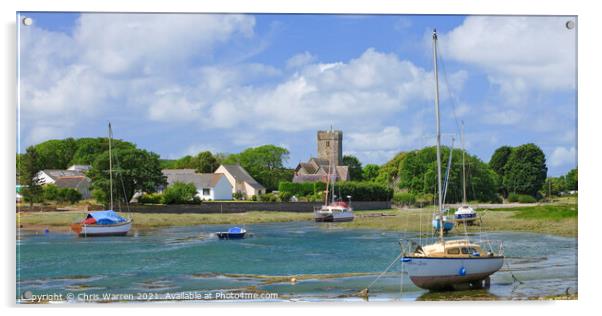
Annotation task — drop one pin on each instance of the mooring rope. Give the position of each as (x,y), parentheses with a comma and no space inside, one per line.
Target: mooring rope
(383,273)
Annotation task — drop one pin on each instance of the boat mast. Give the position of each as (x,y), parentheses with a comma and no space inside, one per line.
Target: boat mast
(110,167)
(439,206)
(463,166)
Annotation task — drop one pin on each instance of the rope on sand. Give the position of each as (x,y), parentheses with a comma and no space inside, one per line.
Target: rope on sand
(365,291)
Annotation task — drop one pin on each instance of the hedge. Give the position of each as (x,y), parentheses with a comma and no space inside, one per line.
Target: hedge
(301,189)
(359,191)
(521,198)
(404,198)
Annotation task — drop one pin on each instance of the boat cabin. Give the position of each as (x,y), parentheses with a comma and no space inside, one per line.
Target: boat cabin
(452,248)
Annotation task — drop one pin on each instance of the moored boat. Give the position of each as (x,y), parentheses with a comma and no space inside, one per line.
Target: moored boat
(232,233)
(107,222)
(102,223)
(465,214)
(334,212)
(452,264)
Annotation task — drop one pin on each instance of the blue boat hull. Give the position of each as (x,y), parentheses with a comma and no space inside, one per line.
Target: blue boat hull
(231,235)
(447,226)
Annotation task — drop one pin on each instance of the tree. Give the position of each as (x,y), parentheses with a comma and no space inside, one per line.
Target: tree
(388,173)
(525,171)
(133,170)
(418,175)
(497,163)
(571,180)
(355,167)
(554,186)
(264,163)
(28,166)
(499,159)
(370,172)
(205,162)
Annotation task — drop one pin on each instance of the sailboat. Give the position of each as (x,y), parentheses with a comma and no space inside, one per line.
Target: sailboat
(449,264)
(443,219)
(335,211)
(465,214)
(107,222)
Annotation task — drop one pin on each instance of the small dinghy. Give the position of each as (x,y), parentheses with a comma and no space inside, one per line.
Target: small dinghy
(232,233)
(102,223)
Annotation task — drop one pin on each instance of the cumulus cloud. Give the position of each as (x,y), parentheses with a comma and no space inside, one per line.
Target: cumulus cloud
(519,54)
(113,59)
(562,156)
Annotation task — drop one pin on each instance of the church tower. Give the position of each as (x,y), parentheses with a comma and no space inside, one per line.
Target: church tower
(330,145)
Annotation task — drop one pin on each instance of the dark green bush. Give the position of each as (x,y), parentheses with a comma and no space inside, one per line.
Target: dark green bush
(51,192)
(285,196)
(301,189)
(179,193)
(521,198)
(404,198)
(524,198)
(153,198)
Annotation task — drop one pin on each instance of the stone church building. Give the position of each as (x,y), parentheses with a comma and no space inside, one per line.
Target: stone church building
(330,148)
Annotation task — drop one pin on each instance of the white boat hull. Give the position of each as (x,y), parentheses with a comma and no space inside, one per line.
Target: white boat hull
(334,217)
(120,229)
(450,273)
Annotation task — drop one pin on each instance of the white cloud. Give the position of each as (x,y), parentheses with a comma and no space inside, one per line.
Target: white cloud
(519,54)
(142,44)
(115,58)
(299,60)
(562,156)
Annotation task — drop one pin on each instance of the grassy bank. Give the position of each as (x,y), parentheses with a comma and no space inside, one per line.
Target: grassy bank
(556,219)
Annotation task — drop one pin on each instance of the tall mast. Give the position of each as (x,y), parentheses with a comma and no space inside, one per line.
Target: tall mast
(110,167)
(463,166)
(439,205)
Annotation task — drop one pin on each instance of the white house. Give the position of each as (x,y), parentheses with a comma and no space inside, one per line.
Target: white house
(210,186)
(240,180)
(66,179)
(48,176)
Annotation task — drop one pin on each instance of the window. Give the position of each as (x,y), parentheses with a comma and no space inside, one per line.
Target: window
(453,251)
(465,251)
(206,191)
(327,143)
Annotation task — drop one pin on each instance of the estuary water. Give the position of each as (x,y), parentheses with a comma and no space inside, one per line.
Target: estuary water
(328,262)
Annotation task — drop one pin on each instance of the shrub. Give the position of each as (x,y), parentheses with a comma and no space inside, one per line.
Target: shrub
(404,198)
(69,195)
(424,199)
(524,198)
(237,195)
(179,193)
(521,198)
(268,197)
(51,192)
(253,197)
(363,191)
(153,198)
(301,189)
(285,196)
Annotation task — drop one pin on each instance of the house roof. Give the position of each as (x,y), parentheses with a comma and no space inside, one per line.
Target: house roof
(200,180)
(317,170)
(57,173)
(73,182)
(240,174)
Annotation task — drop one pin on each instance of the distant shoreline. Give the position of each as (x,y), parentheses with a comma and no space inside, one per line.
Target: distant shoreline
(553,219)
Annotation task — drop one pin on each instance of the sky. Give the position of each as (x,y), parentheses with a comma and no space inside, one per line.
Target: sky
(178,84)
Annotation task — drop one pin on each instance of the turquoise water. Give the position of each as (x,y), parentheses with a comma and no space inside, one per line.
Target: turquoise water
(193,259)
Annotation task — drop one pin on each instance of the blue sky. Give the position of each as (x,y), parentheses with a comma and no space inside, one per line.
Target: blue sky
(177,84)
